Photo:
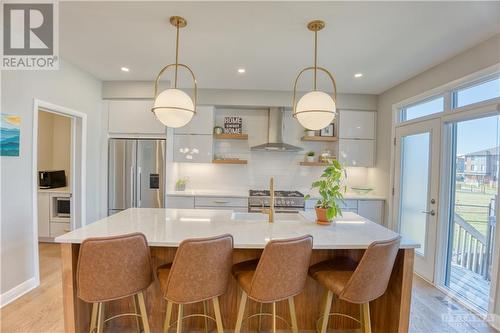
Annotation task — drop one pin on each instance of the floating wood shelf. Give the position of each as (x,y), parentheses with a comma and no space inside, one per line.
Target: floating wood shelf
(230,161)
(231,136)
(320,138)
(313,163)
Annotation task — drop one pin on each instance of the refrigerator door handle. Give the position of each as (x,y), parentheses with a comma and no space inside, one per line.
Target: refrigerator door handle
(139,188)
(132,184)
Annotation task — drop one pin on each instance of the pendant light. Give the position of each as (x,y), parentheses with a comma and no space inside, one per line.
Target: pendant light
(173,107)
(316,109)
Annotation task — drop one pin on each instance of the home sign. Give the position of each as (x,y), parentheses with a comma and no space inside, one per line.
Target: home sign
(232,125)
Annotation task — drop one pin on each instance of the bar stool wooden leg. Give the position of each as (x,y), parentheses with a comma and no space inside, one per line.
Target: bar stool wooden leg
(261,310)
(100,318)
(144,313)
(168,317)
(205,313)
(293,315)
(367,327)
(93,318)
(326,311)
(218,316)
(241,312)
(180,314)
(274,317)
(134,301)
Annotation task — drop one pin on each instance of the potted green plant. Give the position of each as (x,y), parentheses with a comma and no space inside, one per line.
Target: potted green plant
(309,132)
(180,184)
(330,187)
(310,156)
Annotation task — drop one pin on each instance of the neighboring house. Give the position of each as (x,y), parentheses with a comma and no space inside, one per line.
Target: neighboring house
(479,167)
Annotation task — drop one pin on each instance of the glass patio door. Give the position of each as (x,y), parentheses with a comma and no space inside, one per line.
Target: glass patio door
(416,189)
(475,159)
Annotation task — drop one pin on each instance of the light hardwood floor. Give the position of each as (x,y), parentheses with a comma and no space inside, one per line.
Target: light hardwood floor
(41,310)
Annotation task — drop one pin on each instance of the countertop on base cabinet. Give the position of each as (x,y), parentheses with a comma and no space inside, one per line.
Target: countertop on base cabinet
(166,228)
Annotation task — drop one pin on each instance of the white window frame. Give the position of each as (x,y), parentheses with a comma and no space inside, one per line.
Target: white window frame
(450,114)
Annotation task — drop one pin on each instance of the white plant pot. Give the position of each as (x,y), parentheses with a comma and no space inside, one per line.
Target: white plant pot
(310,133)
(310,159)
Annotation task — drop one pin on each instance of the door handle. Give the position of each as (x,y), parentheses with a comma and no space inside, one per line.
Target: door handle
(132,186)
(431,212)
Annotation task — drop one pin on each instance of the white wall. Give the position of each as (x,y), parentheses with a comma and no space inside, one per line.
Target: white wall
(479,57)
(69,87)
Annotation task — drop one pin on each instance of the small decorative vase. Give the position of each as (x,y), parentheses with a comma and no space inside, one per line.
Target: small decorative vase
(310,133)
(180,187)
(310,159)
(321,216)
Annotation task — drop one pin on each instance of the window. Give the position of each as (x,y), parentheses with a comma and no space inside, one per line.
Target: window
(477,93)
(422,109)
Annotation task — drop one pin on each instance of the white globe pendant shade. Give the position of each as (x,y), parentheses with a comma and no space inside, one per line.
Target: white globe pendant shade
(174,108)
(315,110)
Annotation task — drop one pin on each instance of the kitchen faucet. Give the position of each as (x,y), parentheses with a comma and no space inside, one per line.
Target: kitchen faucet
(270,211)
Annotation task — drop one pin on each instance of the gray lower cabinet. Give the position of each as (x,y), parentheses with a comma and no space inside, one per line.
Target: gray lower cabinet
(207,202)
(372,209)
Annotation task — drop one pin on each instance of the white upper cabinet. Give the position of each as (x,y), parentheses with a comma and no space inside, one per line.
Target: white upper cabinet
(202,122)
(357,153)
(133,117)
(357,125)
(190,148)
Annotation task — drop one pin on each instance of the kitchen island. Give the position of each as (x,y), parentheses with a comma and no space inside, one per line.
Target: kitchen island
(166,228)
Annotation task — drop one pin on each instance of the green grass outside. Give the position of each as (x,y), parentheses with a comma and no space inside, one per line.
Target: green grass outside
(473,195)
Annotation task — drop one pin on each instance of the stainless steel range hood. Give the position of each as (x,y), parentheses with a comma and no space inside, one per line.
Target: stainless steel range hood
(275,134)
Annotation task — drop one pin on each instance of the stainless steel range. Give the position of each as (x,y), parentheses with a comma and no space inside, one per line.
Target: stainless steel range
(285,201)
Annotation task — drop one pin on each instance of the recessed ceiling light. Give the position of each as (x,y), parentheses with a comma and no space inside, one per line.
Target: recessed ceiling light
(125,69)
(241,70)
(358,75)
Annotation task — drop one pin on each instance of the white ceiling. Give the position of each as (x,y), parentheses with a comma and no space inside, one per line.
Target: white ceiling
(388,42)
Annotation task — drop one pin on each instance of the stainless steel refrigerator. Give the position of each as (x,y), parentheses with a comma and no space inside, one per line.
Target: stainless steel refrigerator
(136,174)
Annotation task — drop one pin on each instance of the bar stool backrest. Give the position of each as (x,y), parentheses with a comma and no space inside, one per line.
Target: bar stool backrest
(371,277)
(282,269)
(111,268)
(200,270)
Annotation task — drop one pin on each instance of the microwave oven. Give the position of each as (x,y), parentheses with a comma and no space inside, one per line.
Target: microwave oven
(51,179)
(63,206)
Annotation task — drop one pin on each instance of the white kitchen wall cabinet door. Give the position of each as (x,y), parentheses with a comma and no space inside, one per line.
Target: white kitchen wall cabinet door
(43,215)
(357,153)
(373,210)
(201,123)
(133,117)
(357,125)
(193,148)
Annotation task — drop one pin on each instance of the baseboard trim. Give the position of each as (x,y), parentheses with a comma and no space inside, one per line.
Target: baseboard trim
(18,291)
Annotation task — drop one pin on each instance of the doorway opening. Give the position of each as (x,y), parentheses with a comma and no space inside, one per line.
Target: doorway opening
(59,150)
(475,159)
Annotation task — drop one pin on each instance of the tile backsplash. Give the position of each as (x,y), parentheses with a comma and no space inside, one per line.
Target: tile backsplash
(283,166)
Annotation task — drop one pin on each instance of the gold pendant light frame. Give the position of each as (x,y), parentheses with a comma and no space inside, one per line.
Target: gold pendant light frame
(314,26)
(178,22)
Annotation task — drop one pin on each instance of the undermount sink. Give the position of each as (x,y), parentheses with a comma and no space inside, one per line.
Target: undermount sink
(243,216)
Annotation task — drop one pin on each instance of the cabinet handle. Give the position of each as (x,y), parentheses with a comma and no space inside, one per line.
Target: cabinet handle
(221,202)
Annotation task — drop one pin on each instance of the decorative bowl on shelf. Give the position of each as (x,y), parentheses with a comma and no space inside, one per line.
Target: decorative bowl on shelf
(361,190)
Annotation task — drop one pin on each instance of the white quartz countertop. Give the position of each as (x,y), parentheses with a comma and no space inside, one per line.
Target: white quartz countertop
(243,193)
(169,227)
(236,193)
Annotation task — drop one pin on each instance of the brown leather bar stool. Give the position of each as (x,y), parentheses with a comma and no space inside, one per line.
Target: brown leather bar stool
(200,272)
(279,274)
(113,268)
(358,283)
